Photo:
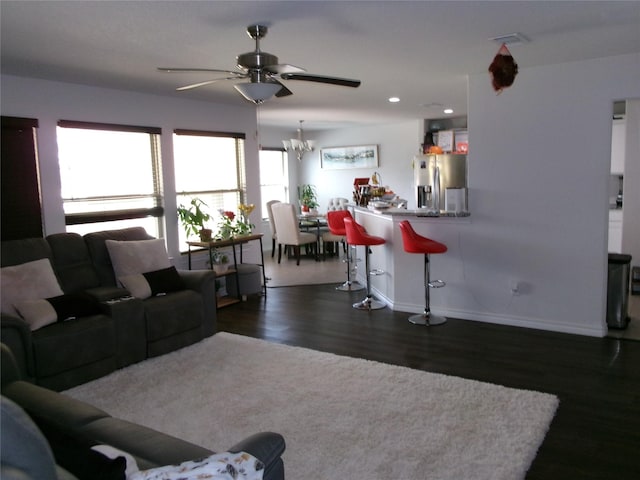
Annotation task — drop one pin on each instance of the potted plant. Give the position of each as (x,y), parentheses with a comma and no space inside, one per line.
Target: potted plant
(193,219)
(308,198)
(220,261)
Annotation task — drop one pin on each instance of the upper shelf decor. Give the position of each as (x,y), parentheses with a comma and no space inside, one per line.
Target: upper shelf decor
(503,69)
(339,158)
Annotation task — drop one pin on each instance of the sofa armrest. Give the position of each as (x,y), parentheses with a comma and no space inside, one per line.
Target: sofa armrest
(10,370)
(16,335)
(104,294)
(130,327)
(268,447)
(203,282)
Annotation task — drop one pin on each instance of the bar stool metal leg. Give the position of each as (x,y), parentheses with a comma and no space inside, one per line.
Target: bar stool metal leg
(368,303)
(427,318)
(350,285)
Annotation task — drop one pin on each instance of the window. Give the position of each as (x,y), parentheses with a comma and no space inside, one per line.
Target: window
(273,177)
(210,166)
(110,176)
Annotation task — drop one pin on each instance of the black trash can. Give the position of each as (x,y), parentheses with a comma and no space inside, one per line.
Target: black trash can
(618,290)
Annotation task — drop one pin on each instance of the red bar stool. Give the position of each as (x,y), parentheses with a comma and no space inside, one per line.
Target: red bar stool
(357,235)
(414,243)
(335,222)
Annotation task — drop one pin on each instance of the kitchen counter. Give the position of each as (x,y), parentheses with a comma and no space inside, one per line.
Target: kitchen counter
(401,285)
(419,212)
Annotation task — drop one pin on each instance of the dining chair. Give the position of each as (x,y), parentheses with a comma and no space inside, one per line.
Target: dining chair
(337,203)
(329,236)
(272,226)
(337,232)
(288,231)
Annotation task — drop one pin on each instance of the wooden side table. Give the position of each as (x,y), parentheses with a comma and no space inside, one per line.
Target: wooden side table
(232,242)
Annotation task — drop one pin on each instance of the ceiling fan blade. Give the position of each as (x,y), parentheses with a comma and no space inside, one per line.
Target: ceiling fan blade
(343,82)
(202,84)
(284,91)
(197,70)
(283,68)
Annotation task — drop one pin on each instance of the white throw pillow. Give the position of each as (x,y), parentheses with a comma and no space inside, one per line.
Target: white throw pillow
(139,256)
(37,313)
(137,285)
(113,453)
(219,466)
(28,281)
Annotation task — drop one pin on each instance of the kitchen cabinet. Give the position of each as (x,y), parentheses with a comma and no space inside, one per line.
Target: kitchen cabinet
(618,146)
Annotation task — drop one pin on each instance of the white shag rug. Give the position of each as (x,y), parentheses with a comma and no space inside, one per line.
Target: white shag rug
(341,417)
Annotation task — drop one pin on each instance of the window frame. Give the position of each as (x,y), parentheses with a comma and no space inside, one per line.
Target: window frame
(100,216)
(285,184)
(240,172)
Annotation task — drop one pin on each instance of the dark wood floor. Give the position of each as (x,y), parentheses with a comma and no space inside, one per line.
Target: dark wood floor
(596,431)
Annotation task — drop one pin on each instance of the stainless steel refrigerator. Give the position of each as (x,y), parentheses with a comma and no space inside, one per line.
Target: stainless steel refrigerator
(436,176)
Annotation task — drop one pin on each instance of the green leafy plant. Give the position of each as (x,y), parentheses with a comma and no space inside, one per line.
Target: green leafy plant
(308,197)
(219,257)
(193,217)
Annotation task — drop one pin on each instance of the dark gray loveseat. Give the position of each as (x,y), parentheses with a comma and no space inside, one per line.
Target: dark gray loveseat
(122,331)
(71,427)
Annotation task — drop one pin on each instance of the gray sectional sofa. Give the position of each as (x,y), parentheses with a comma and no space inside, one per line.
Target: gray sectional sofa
(59,445)
(112,329)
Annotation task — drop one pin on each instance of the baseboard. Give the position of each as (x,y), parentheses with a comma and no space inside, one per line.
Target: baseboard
(500,319)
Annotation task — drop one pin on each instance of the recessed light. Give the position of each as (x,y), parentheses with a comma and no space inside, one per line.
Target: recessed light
(448,111)
(394,99)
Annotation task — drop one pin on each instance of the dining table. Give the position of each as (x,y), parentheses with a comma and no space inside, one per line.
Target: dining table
(308,221)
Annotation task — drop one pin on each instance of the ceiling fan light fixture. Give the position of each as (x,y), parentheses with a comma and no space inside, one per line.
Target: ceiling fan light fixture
(257,92)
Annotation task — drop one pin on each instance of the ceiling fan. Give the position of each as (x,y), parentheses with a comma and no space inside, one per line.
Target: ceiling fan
(263,72)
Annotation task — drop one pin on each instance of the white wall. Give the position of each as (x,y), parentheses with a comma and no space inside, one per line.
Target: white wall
(53,101)
(397,144)
(538,175)
(631,207)
(538,168)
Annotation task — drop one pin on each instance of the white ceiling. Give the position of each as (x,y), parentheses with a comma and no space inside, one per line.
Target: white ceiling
(420,51)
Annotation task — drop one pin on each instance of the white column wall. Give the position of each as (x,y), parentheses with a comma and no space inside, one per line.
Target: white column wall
(538,167)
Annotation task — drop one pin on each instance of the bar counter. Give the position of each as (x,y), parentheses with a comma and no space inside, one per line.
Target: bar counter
(401,285)
(420,212)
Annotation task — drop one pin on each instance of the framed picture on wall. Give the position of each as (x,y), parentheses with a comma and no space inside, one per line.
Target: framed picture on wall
(340,158)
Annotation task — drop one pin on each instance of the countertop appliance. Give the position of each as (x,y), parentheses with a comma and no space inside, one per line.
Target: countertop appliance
(434,174)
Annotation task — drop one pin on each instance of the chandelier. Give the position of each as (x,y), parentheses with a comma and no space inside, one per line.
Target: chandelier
(298,145)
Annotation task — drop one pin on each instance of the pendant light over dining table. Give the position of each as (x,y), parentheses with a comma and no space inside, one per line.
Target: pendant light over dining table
(299,145)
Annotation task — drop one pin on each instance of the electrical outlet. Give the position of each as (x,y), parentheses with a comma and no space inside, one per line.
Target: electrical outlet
(515,288)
